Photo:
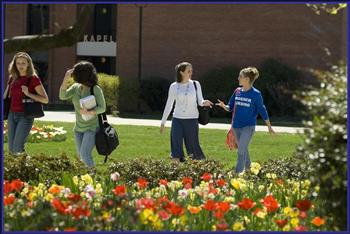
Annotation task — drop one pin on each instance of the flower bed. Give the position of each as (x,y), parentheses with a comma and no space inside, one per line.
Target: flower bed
(216,203)
(42,134)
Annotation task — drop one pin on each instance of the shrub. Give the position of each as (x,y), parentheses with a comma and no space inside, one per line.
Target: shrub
(277,83)
(284,168)
(154,92)
(110,87)
(154,170)
(128,95)
(219,83)
(326,141)
(41,168)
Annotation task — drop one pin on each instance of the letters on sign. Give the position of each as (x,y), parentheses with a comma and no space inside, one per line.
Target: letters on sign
(98,38)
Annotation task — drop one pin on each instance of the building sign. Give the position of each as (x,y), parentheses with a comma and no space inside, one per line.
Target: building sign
(97,45)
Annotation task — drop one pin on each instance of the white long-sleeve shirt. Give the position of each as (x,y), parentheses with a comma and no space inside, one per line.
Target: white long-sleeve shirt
(185,99)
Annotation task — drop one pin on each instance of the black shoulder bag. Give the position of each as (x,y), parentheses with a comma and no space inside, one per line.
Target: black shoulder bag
(106,138)
(203,110)
(32,108)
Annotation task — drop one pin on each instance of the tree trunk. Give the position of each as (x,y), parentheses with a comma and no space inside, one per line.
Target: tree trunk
(66,37)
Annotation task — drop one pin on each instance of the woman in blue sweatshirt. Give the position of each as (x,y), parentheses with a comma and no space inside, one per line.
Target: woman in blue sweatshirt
(247,103)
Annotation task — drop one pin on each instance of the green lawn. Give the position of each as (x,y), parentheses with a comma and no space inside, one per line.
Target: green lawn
(286,121)
(143,141)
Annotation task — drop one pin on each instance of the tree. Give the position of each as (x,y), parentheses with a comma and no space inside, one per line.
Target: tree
(324,7)
(66,37)
(325,143)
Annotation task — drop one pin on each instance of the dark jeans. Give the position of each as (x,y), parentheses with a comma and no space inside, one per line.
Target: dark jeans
(185,130)
(19,128)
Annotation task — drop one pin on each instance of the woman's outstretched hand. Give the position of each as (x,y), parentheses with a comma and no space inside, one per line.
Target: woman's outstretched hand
(221,104)
(208,103)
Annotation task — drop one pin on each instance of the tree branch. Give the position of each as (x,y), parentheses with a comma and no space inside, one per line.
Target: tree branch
(66,37)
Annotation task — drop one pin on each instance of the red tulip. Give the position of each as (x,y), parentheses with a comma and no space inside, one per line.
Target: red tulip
(9,200)
(206,177)
(303,205)
(119,190)
(281,222)
(210,205)
(142,183)
(270,203)
(163,182)
(246,204)
(220,182)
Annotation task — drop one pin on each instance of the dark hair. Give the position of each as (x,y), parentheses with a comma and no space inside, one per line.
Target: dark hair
(85,73)
(181,67)
(251,72)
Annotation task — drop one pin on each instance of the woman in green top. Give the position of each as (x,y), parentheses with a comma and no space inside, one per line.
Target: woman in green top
(86,125)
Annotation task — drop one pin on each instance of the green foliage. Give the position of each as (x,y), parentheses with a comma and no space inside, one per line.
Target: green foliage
(41,168)
(154,92)
(287,168)
(326,141)
(154,170)
(332,9)
(219,83)
(129,91)
(110,87)
(277,83)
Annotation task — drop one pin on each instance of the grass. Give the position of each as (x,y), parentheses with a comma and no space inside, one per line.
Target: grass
(286,121)
(144,141)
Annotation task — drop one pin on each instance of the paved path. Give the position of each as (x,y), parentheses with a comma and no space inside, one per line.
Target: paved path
(69,116)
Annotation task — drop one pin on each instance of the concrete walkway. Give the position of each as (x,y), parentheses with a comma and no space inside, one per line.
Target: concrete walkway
(69,116)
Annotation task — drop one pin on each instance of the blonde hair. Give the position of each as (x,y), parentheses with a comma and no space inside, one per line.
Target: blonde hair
(251,72)
(13,71)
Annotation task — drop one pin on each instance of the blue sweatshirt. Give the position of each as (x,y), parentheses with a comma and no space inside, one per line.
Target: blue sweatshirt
(248,105)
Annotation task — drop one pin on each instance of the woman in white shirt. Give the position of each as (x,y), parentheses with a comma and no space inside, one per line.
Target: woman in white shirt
(184,125)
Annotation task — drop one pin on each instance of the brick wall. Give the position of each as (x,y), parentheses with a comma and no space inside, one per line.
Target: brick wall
(16,16)
(217,35)
(60,59)
(207,35)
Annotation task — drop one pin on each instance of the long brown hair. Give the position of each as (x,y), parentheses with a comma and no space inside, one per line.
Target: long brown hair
(181,67)
(13,71)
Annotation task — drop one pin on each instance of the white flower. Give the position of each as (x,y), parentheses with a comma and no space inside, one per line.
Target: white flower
(183,193)
(89,191)
(115,176)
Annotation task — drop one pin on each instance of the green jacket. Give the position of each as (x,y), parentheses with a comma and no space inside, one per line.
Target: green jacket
(76,92)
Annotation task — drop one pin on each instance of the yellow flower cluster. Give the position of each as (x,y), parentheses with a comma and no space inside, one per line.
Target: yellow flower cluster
(255,168)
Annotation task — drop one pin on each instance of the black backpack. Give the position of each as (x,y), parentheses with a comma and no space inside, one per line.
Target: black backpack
(106,138)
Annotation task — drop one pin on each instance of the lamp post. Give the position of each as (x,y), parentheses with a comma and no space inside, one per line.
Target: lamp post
(139,73)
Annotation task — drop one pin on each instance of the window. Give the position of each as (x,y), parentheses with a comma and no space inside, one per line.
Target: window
(38,23)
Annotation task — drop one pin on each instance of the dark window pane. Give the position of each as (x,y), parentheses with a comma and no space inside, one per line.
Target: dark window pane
(38,19)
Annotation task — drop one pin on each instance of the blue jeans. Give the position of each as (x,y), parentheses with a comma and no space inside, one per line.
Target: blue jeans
(243,137)
(85,143)
(19,128)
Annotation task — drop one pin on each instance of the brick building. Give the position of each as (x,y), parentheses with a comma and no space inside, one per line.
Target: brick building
(207,35)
